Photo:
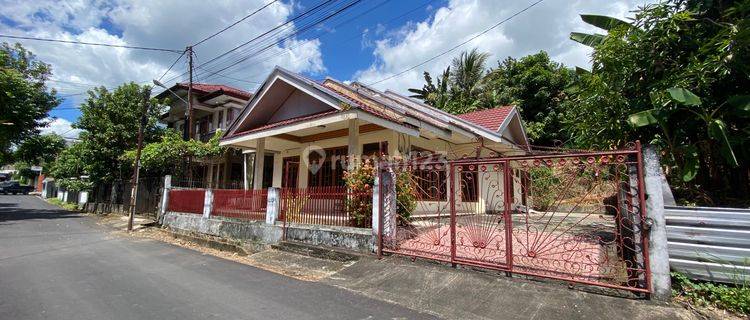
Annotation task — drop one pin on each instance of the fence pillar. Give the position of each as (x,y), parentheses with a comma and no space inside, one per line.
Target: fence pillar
(376,207)
(164,197)
(83,198)
(208,202)
(273,205)
(657,242)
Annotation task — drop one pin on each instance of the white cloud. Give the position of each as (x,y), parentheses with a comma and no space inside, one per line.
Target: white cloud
(165,24)
(61,127)
(543,27)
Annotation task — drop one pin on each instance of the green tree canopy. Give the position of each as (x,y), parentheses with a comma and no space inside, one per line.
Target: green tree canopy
(536,85)
(677,76)
(460,85)
(40,149)
(24,97)
(109,120)
(164,157)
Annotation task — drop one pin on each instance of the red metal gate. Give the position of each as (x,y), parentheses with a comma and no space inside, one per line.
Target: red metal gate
(572,216)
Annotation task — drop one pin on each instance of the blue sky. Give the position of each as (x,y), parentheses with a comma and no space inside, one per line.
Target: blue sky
(373,40)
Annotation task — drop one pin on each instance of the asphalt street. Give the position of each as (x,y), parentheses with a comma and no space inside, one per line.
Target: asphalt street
(59,265)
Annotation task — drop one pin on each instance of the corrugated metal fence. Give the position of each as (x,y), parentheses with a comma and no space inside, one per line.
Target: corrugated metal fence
(709,243)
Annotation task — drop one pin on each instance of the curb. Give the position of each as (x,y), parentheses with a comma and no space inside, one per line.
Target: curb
(212,243)
(326,253)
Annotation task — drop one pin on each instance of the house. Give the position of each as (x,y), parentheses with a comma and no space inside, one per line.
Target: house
(303,129)
(214,107)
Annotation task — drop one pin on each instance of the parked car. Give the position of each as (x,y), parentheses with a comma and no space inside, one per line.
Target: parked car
(14,187)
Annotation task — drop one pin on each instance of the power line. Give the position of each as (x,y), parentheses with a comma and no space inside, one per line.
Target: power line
(228,77)
(171,66)
(89,43)
(340,42)
(235,23)
(327,31)
(301,15)
(459,45)
(287,37)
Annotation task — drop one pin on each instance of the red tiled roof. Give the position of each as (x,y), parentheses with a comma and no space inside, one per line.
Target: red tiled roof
(488,118)
(210,88)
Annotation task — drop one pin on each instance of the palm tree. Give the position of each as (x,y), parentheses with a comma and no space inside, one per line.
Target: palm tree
(458,89)
(468,71)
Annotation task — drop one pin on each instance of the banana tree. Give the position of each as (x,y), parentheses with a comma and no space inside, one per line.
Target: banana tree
(602,22)
(715,127)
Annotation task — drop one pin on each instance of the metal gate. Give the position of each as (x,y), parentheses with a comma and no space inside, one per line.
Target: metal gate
(575,216)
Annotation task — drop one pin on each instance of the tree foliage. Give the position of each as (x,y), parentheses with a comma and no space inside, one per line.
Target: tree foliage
(24,97)
(165,156)
(459,85)
(534,84)
(39,149)
(676,76)
(109,120)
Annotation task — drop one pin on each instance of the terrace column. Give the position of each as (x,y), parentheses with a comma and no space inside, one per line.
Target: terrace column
(260,152)
(303,171)
(353,151)
(278,163)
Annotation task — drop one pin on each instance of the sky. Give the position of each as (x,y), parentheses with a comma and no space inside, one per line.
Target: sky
(373,41)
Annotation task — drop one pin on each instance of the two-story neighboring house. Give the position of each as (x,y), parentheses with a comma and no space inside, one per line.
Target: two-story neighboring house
(214,108)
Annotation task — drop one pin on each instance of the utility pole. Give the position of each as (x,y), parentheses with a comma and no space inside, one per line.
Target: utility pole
(190,93)
(191,121)
(137,172)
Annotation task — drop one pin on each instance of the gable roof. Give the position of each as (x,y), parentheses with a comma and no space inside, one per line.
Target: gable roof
(386,105)
(491,119)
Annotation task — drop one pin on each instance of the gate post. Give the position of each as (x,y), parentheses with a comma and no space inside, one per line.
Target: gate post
(164,198)
(657,243)
(376,214)
(272,205)
(208,202)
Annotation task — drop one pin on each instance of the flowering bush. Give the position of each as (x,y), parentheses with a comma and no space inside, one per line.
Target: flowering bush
(359,202)
(360,182)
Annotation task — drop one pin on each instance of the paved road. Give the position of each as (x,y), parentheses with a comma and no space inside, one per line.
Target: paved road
(58,265)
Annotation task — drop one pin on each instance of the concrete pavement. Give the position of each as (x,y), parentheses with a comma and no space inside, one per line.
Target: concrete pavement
(59,265)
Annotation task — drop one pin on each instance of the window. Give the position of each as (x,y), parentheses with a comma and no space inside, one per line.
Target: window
(372,149)
(290,171)
(329,170)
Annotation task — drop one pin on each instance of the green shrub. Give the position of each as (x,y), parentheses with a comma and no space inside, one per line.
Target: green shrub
(359,203)
(731,298)
(544,187)
(360,182)
(64,205)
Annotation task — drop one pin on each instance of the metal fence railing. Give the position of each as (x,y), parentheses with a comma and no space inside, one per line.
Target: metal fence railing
(240,204)
(334,206)
(186,200)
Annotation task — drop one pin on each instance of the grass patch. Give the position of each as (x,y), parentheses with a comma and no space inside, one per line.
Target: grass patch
(734,298)
(64,205)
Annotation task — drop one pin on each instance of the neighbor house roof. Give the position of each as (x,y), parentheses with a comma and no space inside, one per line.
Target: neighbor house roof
(489,118)
(207,89)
